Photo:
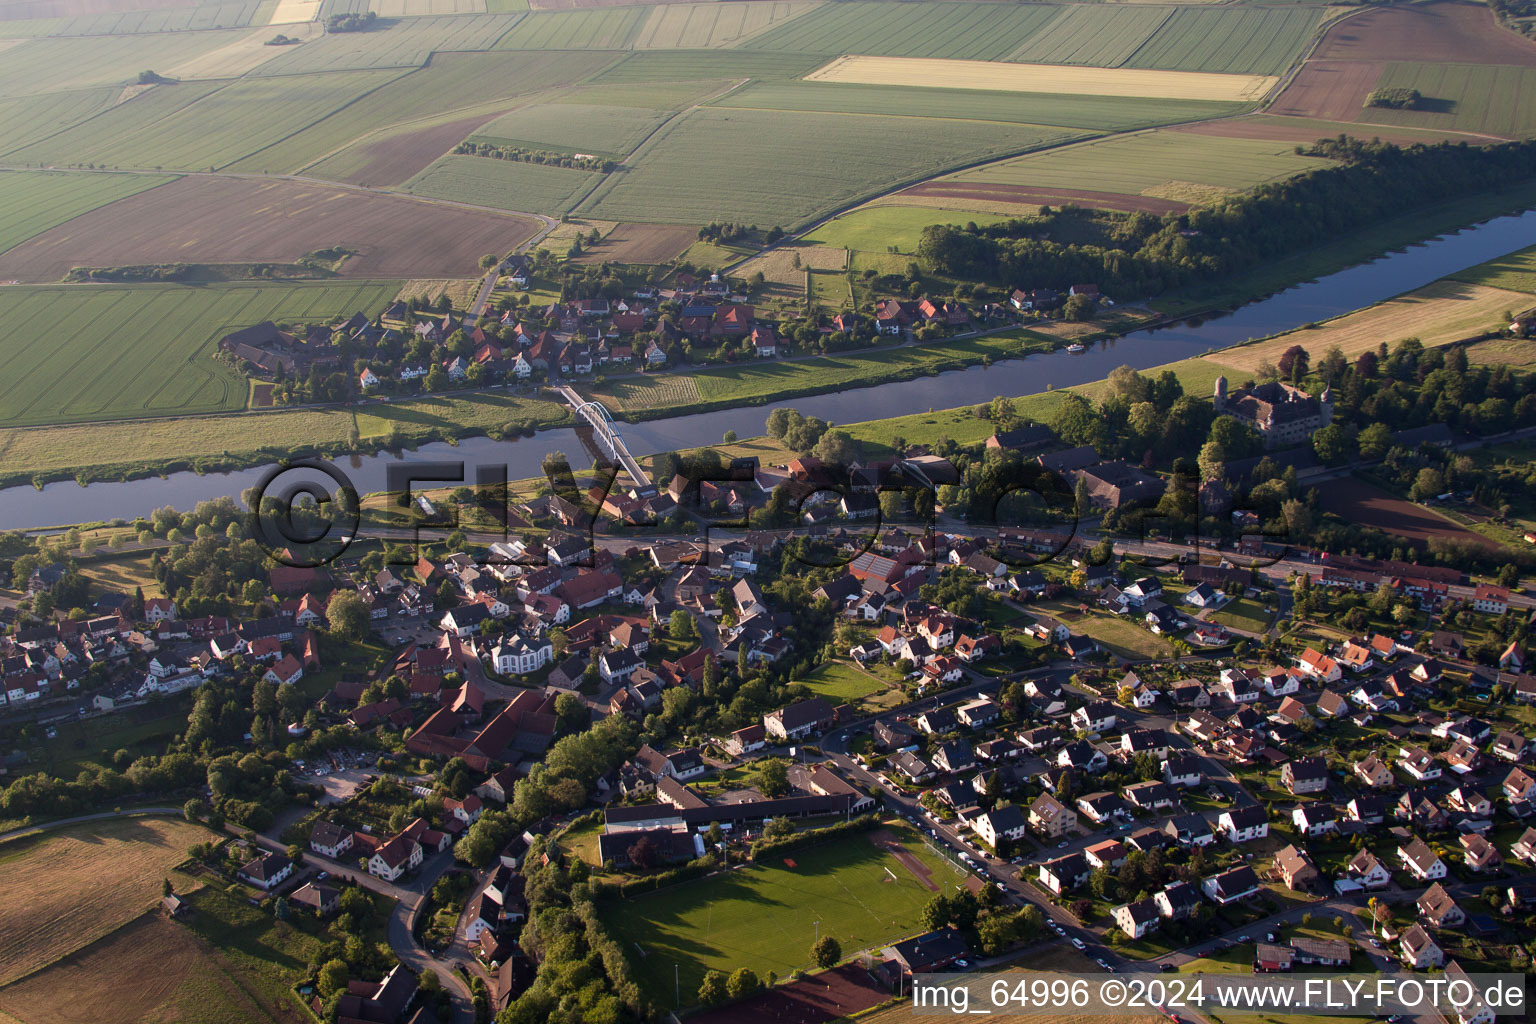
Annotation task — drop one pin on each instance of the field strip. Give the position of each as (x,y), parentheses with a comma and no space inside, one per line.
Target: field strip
(295,12)
(1044,78)
(242,55)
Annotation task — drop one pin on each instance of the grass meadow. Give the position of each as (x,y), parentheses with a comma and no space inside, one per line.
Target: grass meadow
(879,228)
(1515,272)
(841,683)
(1144,164)
(31,202)
(763,916)
(144,350)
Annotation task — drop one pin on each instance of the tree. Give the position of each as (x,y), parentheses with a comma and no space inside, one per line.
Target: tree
(712,992)
(347,616)
(772,777)
(743,982)
(1293,363)
(166,888)
(936,912)
(488,261)
(571,713)
(837,448)
(1334,444)
(826,952)
(680,626)
(1212,461)
(331,978)
(1079,308)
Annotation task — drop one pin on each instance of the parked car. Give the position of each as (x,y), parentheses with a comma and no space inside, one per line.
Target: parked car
(1079,943)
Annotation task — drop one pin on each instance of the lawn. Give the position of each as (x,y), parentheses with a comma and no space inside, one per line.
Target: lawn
(740,153)
(879,228)
(1515,272)
(764,916)
(144,350)
(31,202)
(505,184)
(41,916)
(841,683)
(1157,163)
(1243,614)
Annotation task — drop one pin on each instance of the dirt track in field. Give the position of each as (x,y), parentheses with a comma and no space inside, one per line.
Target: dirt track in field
(205,219)
(1444,32)
(1030,195)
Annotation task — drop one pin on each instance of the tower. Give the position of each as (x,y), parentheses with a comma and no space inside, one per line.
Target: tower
(1219,399)
(1325,407)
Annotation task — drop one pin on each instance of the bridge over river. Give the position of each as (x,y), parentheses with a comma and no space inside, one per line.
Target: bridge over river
(605,432)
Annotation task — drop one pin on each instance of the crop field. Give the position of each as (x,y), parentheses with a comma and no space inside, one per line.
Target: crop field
(657,96)
(702,26)
(707,65)
(505,184)
(124,977)
(1088,112)
(878,228)
(781,275)
(81,62)
(113,124)
(1013,200)
(170,18)
(1461,33)
(1490,99)
(1098,35)
(407,42)
(31,202)
(1235,40)
(1147,163)
(40,879)
(599,28)
(393,156)
(975,31)
(1334,89)
(234,59)
(1436,314)
(295,12)
(144,350)
(425,8)
(741,154)
(667,391)
(1307,129)
(574,128)
(640,243)
(1044,78)
(236,220)
(762,916)
(452,85)
(1516,272)
(1357,501)
(215,130)
(25,119)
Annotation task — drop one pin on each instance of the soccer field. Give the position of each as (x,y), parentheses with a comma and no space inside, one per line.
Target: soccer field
(765,916)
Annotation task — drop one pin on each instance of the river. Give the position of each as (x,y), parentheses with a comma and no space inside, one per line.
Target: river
(1353,288)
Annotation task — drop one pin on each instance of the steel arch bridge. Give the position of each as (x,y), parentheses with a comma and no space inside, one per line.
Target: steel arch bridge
(596,415)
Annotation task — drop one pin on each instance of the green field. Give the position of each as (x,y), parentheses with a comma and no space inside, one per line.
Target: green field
(25,119)
(50,65)
(1095,35)
(877,228)
(223,122)
(453,86)
(31,202)
(1243,614)
(655,96)
(771,380)
(505,184)
(1096,112)
(763,916)
(969,31)
(714,164)
(1517,272)
(706,25)
(600,28)
(404,43)
(697,65)
(116,352)
(1491,99)
(573,128)
(841,683)
(1236,40)
(199,18)
(1136,164)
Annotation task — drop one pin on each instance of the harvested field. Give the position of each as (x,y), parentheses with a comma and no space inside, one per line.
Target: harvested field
(40,897)
(1044,78)
(224,220)
(783,277)
(125,977)
(1026,195)
(395,157)
(641,243)
(1437,314)
(661,392)
(1451,32)
(295,12)
(1356,501)
(82,62)
(831,995)
(406,42)
(236,58)
(1330,89)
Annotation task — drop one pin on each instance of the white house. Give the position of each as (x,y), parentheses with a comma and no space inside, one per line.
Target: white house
(517,655)
(1244,824)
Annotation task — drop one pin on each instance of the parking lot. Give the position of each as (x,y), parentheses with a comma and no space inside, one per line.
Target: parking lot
(340,775)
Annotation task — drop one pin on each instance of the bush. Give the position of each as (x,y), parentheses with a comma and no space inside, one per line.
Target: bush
(1397,98)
